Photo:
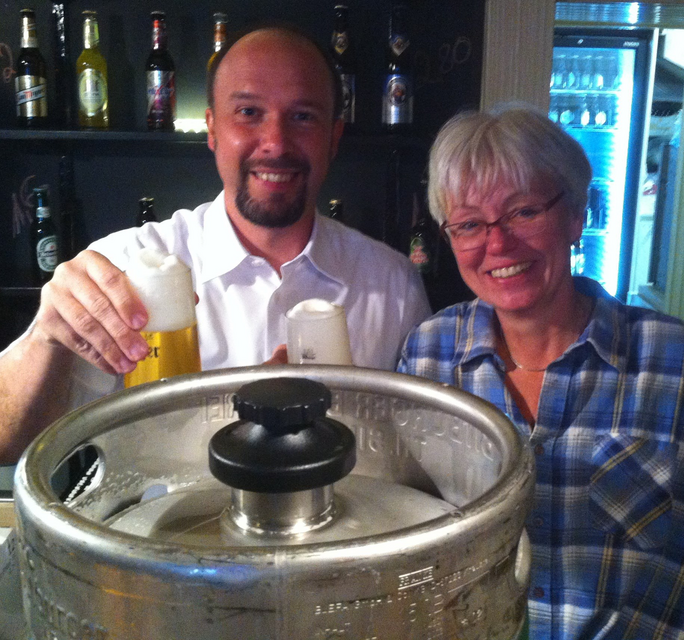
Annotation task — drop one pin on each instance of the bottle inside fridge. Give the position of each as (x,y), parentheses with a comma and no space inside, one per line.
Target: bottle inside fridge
(595,84)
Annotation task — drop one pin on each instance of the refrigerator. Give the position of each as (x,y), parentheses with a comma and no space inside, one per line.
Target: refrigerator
(598,93)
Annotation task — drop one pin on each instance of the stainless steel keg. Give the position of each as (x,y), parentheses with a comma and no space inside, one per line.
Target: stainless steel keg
(424,539)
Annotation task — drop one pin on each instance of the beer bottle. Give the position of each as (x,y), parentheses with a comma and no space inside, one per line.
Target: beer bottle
(421,242)
(91,69)
(44,238)
(145,212)
(30,82)
(397,97)
(336,209)
(161,80)
(64,81)
(220,35)
(341,50)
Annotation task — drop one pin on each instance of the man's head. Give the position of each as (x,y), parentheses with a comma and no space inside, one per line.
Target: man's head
(272,126)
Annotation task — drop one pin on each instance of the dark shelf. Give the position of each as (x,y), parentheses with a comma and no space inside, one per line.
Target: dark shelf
(20,292)
(195,139)
(50,135)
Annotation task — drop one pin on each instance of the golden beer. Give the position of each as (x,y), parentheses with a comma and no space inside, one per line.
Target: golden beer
(171,353)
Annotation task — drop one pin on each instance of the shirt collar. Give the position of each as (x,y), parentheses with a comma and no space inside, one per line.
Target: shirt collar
(476,332)
(323,250)
(605,331)
(222,251)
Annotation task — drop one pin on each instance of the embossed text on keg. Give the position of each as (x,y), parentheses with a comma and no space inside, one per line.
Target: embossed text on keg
(56,617)
(218,407)
(421,576)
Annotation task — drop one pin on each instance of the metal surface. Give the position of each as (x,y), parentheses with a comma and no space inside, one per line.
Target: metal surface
(463,574)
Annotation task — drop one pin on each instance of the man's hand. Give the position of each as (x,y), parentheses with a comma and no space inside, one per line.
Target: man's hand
(279,355)
(91,308)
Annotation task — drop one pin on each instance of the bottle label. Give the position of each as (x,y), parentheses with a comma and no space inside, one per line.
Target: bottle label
(419,256)
(340,42)
(161,95)
(31,92)
(92,92)
(348,96)
(46,252)
(398,43)
(42,212)
(397,103)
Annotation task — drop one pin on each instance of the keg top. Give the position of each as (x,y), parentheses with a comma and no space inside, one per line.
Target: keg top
(283,441)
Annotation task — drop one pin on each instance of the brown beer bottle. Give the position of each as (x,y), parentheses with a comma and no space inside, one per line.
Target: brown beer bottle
(220,36)
(30,80)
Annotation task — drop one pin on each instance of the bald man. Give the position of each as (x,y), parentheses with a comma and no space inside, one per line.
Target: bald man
(274,125)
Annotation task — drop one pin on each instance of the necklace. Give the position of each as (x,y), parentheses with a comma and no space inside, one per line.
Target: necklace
(515,362)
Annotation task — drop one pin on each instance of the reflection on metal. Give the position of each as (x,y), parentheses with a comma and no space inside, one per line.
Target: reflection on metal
(625,14)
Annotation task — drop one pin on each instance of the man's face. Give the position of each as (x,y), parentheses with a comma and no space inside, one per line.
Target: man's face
(271,129)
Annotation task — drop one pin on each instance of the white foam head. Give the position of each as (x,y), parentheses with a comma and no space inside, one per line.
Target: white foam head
(164,285)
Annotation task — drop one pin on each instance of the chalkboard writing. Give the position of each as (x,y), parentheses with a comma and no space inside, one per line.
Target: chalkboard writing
(449,56)
(6,63)
(22,206)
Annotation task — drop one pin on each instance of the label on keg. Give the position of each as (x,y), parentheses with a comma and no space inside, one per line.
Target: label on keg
(397,103)
(92,92)
(31,96)
(46,252)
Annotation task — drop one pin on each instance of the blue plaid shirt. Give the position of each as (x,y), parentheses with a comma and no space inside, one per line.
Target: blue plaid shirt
(607,526)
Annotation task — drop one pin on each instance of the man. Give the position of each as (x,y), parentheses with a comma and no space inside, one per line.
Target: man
(274,126)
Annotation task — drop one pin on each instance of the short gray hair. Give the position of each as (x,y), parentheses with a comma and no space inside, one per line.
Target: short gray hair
(518,145)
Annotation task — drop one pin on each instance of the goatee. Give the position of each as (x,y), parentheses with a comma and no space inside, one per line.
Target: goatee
(277,212)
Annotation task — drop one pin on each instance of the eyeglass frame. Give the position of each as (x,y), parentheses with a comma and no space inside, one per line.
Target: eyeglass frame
(545,208)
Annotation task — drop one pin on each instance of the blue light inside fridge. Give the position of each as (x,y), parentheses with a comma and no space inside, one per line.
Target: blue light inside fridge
(592,92)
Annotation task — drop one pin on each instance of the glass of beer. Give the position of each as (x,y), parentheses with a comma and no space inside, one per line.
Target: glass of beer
(317,333)
(164,285)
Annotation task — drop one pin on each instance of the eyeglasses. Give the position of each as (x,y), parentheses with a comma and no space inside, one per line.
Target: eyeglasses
(521,223)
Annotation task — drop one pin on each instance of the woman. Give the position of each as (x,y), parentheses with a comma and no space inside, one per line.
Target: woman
(596,385)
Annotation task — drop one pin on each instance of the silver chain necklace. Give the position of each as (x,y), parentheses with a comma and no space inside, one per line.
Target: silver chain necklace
(514,361)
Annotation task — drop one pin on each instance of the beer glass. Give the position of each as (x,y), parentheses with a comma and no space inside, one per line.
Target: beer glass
(164,285)
(317,334)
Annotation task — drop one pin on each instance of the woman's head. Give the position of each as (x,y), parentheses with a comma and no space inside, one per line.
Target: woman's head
(518,146)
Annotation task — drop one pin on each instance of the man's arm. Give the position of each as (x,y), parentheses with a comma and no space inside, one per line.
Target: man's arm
(90,309)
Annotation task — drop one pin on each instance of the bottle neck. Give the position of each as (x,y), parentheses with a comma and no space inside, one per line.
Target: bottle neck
(91,34)
(42,212)
(159,35)
(29,39)
(219,36)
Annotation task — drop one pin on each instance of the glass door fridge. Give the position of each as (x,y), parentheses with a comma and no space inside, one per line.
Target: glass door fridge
(599,92)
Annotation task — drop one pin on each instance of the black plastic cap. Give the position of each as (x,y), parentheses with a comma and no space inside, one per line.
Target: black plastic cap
(282,403)
(279,455)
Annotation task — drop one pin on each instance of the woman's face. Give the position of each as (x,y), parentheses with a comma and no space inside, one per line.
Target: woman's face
(518,274)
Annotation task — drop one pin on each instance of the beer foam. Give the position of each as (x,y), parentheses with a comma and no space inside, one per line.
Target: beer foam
(315,307)
(164,284)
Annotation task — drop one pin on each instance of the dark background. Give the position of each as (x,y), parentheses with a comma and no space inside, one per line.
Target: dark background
(113,170)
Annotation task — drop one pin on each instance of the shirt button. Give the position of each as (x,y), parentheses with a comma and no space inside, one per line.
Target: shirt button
(539,449)
(538,592)
(538,522)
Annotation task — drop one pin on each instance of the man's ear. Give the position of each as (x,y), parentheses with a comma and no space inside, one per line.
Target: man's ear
(209,117)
